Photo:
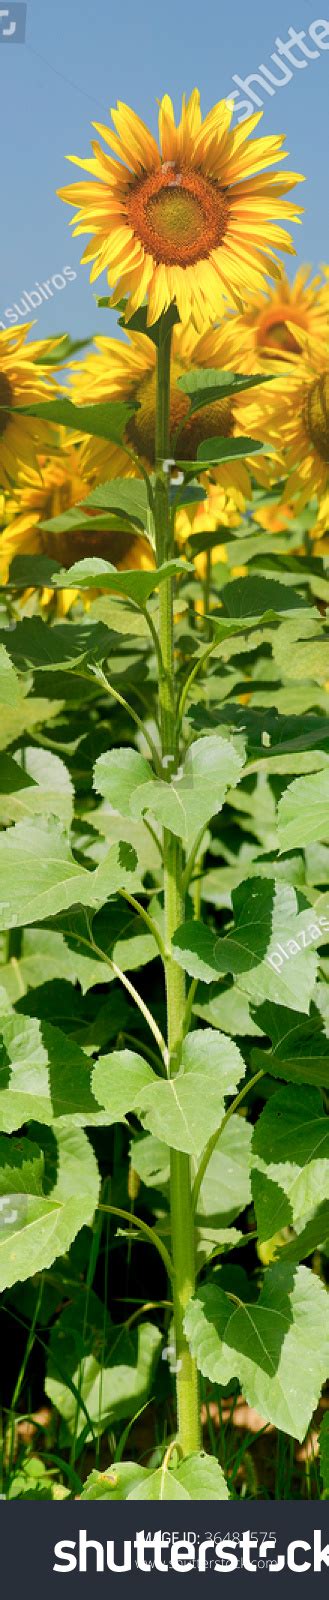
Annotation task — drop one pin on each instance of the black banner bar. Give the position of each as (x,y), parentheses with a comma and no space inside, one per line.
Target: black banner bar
(95,1543)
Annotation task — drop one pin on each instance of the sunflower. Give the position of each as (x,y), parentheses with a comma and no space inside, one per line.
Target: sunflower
(275,517)
(120,370)
(294,413)
(23,375)
(320,530)
(274,323)
(41,494)
(191,220)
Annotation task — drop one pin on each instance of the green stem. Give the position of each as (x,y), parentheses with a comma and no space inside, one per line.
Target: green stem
(192,675)
(144,915)
(137,998)
(101,678)
(182,1225)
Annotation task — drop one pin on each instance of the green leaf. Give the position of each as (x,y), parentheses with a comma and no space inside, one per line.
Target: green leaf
(254,597)
(26,572)
(302,659)
(79,520)
(39,877)
(118,1081)
(98,574)
(203,1478)
(205,385)
(151,1160)
(123,936)
(118,773)
(25,715)
(182,1111)
(45,1225)
(197,542)
(267,1345)
(313,1235)
(300,1047)
(225,1008)
(198,1477)
(185,804)
(21,1171)
(34,782)
(138,323)
(43,1075)
(225,1188)
(214,451)
(10,691)
(106,420)
(115,1483)
(185,1110)
(163,1484)
(126,496)
(47,957)
(290,1160)
(112,1366)
(203,953)
(120,616)
(288,972)
(33,643)
(303,811)
(68,348)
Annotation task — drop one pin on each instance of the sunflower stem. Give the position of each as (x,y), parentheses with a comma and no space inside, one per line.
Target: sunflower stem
(182,1223)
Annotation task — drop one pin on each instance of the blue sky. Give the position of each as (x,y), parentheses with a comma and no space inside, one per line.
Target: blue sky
(80,56)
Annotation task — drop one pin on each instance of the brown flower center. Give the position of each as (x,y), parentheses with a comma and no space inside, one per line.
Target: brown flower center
(58,499)
(120,548)
(6,397)
(273,331)
(112,545)
(215,419)
(178,216)
(317,416)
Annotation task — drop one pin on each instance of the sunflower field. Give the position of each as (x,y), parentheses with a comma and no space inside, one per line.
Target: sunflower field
(164,891)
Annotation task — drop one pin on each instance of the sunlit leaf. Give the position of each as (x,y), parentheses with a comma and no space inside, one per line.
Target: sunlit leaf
(267,1344)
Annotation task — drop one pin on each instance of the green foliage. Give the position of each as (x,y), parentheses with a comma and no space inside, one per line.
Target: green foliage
(103,421)
(45,878)
(324,1453)
(100,574)
(164,960)
(206,384)
(269,1343)
(184,1112)
(291,1166)
(303,812)
(41,1224)
(110,1367)
(199,1477)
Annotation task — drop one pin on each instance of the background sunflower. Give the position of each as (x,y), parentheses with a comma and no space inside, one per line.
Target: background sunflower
(300,395)
(24,379)
(277,319)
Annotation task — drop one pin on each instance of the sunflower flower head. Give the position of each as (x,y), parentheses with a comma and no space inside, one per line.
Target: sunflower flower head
(188,220)
(41,495)
(275,323)
(24,380)
(300,393)
(118,369)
